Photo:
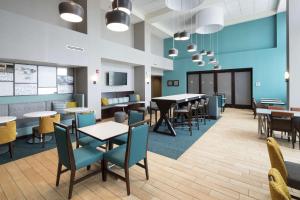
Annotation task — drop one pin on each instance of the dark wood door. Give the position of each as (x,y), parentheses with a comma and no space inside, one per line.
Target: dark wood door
(156,86)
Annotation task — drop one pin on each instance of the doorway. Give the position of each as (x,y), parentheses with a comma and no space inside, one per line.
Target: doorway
(236,84)
(156,90)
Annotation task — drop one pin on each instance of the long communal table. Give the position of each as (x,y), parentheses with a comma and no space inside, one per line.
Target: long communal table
(165,103)
(262,118)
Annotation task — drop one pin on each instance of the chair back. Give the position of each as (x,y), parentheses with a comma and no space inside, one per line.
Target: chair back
(295,109)
(277,185)
(46,123)
(135,116)
(64,146)
(254,104)
(84,119)
(276,157)
(8,132)
(153,105)
(137,145)
(276,108)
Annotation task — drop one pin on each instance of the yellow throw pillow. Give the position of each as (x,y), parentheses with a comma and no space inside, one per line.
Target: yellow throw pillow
(71,104)
(104,101)
(138,97)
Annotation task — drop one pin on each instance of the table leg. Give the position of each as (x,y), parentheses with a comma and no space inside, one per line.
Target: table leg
(164,109)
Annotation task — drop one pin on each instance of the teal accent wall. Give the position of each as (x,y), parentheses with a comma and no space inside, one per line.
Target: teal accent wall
(259,44)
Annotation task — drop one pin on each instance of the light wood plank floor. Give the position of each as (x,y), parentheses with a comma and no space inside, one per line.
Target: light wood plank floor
(228,162)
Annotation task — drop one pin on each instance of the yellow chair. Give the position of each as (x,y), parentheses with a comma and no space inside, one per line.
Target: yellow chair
(277,185)
(46,126)
(288,170)
(8,134)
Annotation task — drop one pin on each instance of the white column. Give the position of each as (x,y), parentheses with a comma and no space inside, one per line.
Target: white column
(293,52)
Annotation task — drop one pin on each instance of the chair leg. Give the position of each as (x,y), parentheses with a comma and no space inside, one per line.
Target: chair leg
(127,180)
(104,168)
(43,140)
(146,168)
(150,118)
(155,117)
(72,179)
(10,147)
(58,173)
(33,136)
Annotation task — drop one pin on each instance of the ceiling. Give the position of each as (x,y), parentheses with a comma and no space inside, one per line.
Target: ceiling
(167,21)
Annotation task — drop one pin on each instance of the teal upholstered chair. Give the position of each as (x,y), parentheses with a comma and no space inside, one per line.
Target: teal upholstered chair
(134,117)
(73,159)
(127,155)
(86,119)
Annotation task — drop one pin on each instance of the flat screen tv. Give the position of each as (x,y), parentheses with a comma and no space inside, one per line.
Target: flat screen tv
(116,78)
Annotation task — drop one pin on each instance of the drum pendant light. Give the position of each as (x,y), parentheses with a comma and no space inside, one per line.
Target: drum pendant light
(123,5)
(71,11)
(201,63)
(173,52)
(117,20)
(196,58)
(192,48)
(177,36)
(210,20)
(203,52)
(210,54)
(184,36)
(213,61)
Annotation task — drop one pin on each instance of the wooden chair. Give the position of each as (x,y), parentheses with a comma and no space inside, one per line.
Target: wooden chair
(196,112)
(153,108)
(45,127)
(278,187)
(288,170)
(8,134)
(130,154)
(133,117)
(86,119)
(73,160)
(203,109)
(186,115)
(296,127)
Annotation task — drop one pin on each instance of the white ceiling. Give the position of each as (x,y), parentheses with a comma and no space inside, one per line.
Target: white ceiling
(235,11)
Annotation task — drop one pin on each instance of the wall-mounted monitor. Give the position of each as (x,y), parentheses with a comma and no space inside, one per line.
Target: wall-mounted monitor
(116,78)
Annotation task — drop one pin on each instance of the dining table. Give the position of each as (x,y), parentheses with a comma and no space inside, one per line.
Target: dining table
(104,131)
(39,114)
(262,114)
(165,103)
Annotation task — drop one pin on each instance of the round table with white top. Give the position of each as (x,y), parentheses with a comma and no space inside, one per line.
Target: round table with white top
(74,111)
(40,114)
(122,106)
(3,120)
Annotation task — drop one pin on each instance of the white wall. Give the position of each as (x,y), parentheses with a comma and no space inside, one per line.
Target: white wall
(107,66)
(28,39)
(43,10)
(156,72)
(294,49)
(125,38)
(157,45)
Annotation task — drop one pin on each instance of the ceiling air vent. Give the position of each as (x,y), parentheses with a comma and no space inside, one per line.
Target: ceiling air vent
(74,48)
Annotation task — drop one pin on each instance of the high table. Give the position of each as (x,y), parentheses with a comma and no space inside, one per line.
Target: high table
(165,103)
(262,118)
(40,114)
